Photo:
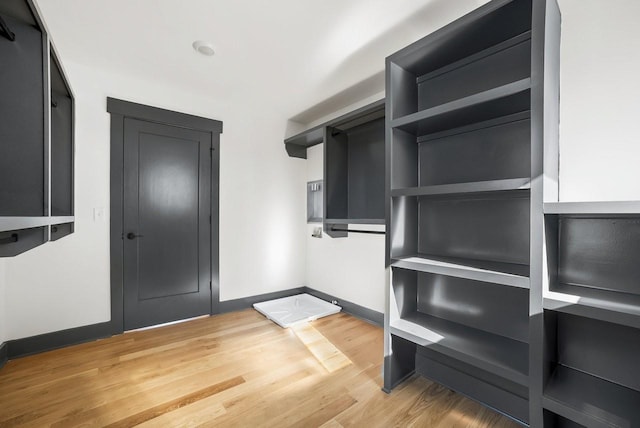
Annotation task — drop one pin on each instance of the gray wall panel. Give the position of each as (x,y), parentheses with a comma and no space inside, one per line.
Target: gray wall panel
(606,350)
(489,307)
(336,151)
(404,223)
(22,133)
(404,151)
(600,253)
(405,290)
(480,75)
(494,153)
(365,161)
(466,383)
(494,228)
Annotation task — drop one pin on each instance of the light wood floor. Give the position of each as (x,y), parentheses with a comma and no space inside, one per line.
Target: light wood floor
(236,370)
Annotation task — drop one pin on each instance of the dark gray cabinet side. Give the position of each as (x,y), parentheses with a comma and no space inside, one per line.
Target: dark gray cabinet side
(22,120)
(62,151)
(36,134)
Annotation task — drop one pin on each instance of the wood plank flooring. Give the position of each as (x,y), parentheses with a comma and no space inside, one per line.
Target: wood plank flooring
(235,370)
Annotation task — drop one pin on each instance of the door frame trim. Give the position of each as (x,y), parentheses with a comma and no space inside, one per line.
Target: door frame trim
(120,110)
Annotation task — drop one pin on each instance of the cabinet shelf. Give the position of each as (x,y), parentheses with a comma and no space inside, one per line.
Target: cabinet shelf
(465,188)
(493,103)
(297,145)
(589,400)
(603,310)
(499,355)
(17,223)
(509,274)
(354,221)
(589,208)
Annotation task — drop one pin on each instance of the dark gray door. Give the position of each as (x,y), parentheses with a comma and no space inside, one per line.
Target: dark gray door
(167,231)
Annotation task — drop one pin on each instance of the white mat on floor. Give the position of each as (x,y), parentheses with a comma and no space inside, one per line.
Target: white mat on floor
(293,309)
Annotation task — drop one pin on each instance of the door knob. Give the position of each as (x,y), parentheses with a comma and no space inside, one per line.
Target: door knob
(132,235)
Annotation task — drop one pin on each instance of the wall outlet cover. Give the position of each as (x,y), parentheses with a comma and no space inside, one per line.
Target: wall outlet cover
(98,214)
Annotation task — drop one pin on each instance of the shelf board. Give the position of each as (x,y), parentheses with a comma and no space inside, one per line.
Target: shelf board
(491,123)
(497,102)
(603,207)
(463,188)
(603,310)
(354,221)
(61,219)
(589,400)
(297,145)
(499,355)
(468,269)
(8,224)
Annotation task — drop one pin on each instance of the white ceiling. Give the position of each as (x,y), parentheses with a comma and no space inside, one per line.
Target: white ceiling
(291,54)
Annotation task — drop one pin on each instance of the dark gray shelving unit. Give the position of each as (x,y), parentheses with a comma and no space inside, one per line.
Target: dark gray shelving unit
(467,166)
(592,313)
(36,134)
(354,156)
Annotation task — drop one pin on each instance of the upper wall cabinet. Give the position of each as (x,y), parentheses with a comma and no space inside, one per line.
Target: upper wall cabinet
(36,134)
(353,167)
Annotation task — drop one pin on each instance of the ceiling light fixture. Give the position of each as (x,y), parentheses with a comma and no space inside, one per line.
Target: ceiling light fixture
(205,48)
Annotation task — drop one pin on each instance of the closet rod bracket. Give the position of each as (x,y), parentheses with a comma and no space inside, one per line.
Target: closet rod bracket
(371,232)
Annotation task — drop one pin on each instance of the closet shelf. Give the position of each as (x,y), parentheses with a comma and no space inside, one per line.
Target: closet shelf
(17,223)
(354,221)
(509,274)
(497,102)
(463,188)
(499,355)
(589,400)
(603,310)
(601,207)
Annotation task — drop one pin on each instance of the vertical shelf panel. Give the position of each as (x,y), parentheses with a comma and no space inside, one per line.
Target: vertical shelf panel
(36,135)
(22,112)
(366,160)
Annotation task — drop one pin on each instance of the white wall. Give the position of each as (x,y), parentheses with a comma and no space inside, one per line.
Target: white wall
(600,90)
(65,284)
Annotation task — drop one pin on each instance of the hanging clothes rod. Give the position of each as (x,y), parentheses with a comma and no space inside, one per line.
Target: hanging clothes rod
(371,232)
(6,31)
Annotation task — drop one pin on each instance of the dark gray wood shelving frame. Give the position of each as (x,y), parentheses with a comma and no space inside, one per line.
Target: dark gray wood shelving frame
(353,158)
(37,139)
(592,313)
(472,155)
